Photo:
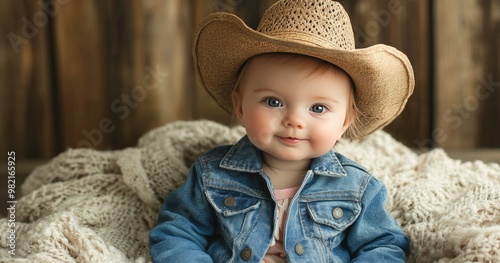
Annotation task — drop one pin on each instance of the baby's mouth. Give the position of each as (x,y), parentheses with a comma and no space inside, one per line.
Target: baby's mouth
(290,140)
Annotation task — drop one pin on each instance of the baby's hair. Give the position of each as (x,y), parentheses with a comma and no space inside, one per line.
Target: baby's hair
(353,115)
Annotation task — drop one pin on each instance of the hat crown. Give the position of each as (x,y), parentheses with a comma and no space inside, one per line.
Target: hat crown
(313,22)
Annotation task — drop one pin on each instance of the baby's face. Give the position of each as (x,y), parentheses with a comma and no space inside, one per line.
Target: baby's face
(290,111)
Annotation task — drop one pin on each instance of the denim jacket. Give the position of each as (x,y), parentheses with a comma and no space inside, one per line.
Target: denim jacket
(226,210)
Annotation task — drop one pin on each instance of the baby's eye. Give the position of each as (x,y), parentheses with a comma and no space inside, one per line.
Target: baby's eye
(318,108)
(274,102)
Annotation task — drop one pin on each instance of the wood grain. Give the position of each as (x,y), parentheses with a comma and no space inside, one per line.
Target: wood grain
(122,69)
(467,77)
(26,92)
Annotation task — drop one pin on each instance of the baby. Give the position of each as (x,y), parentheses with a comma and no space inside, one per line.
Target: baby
(281,194)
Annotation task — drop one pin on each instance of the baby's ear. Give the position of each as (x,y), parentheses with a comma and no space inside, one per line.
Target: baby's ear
(349,119)
(237,105)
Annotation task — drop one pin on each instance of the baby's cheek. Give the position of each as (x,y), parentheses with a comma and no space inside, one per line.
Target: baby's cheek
(259,135)
(261,130)
(323,141)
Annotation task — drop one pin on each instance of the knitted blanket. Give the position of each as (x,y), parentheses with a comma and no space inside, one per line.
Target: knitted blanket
(98,206)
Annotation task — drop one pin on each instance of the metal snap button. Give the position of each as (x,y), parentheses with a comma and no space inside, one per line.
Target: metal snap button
(299,249)
(338,213)
(229,201)
(246,254)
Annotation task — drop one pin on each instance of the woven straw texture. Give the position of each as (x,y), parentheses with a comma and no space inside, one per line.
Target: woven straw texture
(324,21)
(98,206)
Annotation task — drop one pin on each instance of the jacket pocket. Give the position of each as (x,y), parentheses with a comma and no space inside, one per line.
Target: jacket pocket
(236,212)
(327,220)
(230,203)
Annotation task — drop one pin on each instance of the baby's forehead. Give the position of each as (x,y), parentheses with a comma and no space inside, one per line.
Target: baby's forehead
(274,71)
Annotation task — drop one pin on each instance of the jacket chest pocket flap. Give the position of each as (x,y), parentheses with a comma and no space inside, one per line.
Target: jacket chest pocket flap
(230,203)
(338,214)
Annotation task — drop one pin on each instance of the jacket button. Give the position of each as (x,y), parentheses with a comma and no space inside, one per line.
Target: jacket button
(246,254)
(299,249)
(338,213)
(229,201)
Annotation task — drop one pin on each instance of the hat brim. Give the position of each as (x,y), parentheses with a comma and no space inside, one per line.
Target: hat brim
(382,75)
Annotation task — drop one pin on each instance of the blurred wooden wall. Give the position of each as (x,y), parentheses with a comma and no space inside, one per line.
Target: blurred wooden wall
(92,73)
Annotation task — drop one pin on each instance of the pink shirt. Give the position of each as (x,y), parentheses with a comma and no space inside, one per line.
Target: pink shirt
(276,253)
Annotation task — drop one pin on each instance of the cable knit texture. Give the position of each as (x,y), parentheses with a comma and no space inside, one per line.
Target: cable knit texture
(98,206)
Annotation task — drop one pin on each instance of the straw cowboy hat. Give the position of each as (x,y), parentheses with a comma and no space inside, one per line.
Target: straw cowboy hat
(382,75)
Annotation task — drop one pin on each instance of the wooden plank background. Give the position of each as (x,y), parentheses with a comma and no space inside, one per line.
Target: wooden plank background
(27,116)
(467,73)
(99,74)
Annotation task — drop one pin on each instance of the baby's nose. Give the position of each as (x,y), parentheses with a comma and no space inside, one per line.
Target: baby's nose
(294,120)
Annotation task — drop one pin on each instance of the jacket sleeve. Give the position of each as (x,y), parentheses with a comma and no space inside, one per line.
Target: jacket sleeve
(376,236)
(184,224)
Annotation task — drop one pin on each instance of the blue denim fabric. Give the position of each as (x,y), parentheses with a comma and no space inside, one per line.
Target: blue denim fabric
(225,213)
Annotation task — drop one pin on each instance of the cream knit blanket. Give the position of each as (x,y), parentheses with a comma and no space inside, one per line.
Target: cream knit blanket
(98,206)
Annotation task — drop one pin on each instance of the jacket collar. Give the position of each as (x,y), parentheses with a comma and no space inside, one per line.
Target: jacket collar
(245,157)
